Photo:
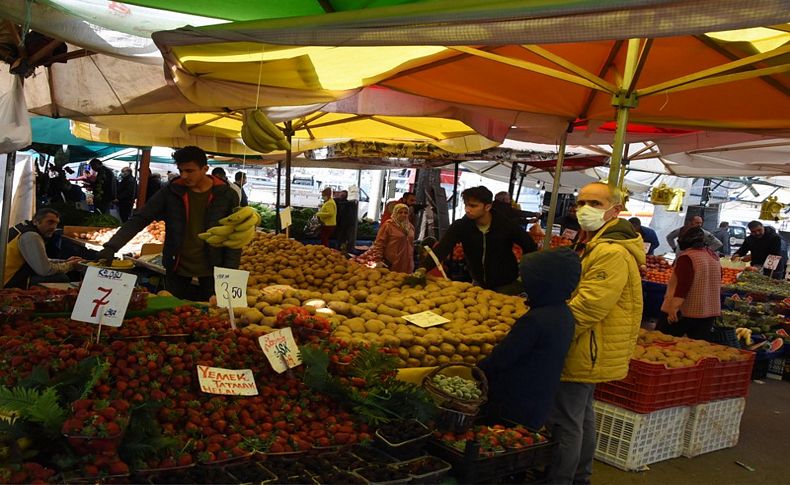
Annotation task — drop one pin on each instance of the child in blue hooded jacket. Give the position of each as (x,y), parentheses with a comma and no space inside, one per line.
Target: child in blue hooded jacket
(524,369)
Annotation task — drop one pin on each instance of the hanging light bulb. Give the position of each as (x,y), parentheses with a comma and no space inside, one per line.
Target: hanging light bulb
(576,192)
(537,184)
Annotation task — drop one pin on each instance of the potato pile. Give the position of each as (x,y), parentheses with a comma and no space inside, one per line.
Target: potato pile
(366,304)
(674,352)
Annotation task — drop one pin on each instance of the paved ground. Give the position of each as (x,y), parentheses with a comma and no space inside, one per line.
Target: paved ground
(764,445)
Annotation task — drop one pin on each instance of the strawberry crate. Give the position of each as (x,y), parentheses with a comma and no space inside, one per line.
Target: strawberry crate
(630,441)
(650,386)
(722,380)
(713,426)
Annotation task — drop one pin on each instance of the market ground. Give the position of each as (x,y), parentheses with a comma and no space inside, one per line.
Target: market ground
(764,445)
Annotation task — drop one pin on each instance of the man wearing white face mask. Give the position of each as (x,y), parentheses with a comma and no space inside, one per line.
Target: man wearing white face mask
(607,307)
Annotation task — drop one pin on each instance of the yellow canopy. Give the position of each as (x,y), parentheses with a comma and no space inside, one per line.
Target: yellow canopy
(220,132)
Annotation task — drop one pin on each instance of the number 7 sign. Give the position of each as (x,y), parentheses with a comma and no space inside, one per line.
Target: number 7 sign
(104,296)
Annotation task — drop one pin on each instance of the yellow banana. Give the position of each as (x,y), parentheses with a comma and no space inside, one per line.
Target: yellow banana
(250,141)
(205,235)
(242,235)
(238,216)
(283,144)
(266,125)
(216,240)
(249,223)
(261,137)
(220,230)
(237,243)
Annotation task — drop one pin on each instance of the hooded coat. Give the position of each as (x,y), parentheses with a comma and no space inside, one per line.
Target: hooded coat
(524,369)
(607,305)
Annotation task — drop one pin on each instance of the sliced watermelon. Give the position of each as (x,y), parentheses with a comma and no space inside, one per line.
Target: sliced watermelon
(777,344)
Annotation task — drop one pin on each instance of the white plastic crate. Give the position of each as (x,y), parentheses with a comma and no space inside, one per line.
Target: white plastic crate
(630,440)
(713,426)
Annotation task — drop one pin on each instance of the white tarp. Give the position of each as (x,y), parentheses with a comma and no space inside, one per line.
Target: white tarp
(15,132)
(23,196)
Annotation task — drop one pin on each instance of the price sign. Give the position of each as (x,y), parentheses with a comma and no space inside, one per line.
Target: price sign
(569,234)
(104,296)
(771,262)
(280,349)
(230,286)
(237,382)
(646,246)
(425,319)
(285,218)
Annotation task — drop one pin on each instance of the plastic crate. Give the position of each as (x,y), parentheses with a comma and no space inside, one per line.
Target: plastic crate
(630,441)
(725,336)
(649,387)
(722,380)
(472,467)
(713,426)
(776,368)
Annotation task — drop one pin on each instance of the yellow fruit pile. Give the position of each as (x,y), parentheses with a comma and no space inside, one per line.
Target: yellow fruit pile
(367,305)
(674,352)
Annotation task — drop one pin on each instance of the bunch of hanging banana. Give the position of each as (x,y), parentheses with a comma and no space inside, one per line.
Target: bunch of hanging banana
(260,134)
(235,231)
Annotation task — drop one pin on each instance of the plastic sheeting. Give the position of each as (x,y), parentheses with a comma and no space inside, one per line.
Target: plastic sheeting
(15,131)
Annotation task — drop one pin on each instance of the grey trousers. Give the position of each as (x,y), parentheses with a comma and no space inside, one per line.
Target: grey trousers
(572,424)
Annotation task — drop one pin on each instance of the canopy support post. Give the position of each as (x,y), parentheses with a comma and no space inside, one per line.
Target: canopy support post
(455,188)
(624,100)
(555,190)
(8,184)
(143,174)
(277,197)
(288,136)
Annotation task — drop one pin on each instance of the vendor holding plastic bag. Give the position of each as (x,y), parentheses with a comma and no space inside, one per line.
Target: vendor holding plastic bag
(394,244)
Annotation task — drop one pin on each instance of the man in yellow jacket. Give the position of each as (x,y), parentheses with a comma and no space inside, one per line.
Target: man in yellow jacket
(607,307)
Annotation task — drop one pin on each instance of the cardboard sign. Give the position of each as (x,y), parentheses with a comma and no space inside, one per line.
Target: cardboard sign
(647,247)
(569,234)
(104,296)
(771,262)
(425,319)
(280,349)
(285,218)
(237,382)
(230,286)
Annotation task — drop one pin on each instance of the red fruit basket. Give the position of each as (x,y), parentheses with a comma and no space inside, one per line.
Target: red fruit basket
(723,380)
(649,387)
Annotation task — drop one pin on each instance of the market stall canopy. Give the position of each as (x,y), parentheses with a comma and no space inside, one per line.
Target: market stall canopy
(727,80)
(220,132)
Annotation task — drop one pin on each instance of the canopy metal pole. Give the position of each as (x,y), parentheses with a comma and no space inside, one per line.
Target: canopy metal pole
(555,191)
(277,199)
(8,185)
(455,188)
(511,186)
(625,99)
(288,135)
(144,173)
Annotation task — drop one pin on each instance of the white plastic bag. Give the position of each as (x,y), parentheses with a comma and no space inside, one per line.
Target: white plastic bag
(15,131)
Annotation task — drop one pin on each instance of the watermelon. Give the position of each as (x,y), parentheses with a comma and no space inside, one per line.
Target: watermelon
(776,344)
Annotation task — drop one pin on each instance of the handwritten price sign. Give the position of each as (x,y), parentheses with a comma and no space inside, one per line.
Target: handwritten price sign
(237,382)
(104,296)
(280,349)
(230,286)
(772,262)
(425,319)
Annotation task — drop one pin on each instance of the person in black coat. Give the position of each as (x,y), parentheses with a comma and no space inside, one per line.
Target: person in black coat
(487,238)
(524,369)
(761,243)
(127,192)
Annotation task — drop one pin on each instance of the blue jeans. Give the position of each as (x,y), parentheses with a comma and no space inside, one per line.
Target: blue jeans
(572,425)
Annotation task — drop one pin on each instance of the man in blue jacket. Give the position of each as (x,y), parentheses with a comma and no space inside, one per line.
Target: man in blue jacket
(524,369)
(648,235)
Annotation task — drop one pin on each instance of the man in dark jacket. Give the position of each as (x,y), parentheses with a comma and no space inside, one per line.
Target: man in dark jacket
(105,186)
(189,205)
(648,235)
(487,238)
(524,369)
(127,192)
(762,242)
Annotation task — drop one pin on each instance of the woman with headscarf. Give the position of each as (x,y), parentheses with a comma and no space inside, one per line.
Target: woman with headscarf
(692,301)
(394,245)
